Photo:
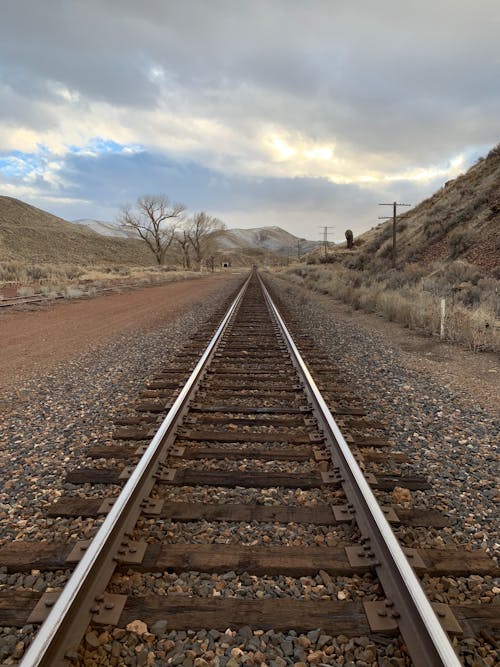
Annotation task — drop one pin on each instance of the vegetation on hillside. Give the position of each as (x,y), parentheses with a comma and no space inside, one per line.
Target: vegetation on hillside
(71,280)
(448,247)
(413,298)
(28,234)
(460,220)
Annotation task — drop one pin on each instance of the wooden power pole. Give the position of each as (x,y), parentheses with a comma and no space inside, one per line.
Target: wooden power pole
(325,238)
(393,216)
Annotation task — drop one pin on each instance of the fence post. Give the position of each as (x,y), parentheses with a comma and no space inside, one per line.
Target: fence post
(443,314)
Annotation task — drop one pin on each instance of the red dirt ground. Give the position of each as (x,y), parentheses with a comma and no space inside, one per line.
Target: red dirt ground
(32,341)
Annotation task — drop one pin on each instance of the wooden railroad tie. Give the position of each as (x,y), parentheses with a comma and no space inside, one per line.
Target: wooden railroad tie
(72,506)
(245,479)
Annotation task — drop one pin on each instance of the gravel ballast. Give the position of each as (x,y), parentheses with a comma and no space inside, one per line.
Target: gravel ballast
(449,440)
(48,422)
(73,407)
(447,436)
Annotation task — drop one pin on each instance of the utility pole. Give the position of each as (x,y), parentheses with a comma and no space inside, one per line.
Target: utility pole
(298,248)
(388,217)
(325,238)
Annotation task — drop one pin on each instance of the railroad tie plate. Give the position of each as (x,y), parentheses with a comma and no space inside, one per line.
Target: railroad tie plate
(342,513)
(42,608)
(77,552)
(359,558)
(106,505)
(166,474)
(108,609)
(383,617)
(152,507)
(131,553)
(345,513)
(390,514)
(447,618)
(380,617)
(320,454)
(415,559)
(330,477)
(126,472)
(370,478)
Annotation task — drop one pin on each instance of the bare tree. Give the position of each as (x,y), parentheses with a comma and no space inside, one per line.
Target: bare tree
(200,232)
(182,239)
(154,218)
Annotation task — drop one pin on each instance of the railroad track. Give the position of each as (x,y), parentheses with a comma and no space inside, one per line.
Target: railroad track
(11,301)
(233,464)
(41,299)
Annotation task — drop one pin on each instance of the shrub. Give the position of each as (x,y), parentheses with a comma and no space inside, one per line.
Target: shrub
(26,291)
(71,292)
(36,273)
(12,272)
(386,250)
(413,299)
(458,242)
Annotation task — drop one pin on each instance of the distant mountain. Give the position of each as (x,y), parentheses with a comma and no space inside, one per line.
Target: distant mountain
(269,239)
(30,234)
(105,228)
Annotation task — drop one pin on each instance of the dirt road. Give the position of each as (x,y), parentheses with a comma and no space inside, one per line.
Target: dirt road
(34,341)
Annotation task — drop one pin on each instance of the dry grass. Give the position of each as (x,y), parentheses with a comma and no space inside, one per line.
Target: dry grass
(72,281)
(413,300)
(49,274)
(26,273)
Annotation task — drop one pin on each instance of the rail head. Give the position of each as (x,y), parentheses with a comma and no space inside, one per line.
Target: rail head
(71,613)
(427,641)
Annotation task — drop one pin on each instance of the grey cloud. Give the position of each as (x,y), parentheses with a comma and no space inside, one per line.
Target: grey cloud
(299,204)
(416,83)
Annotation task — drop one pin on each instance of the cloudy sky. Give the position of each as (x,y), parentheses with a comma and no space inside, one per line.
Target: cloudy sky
(262,112)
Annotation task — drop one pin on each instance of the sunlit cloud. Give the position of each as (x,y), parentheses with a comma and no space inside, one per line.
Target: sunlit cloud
(320,153)
(98,102)
(63,92)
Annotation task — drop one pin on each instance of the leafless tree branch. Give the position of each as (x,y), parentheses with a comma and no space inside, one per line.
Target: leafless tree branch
(154,219)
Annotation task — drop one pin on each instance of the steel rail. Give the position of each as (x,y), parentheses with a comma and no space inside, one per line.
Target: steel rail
(66,623)
(428,643)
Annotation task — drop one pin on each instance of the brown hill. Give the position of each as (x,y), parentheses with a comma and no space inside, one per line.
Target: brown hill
(31,235)
(460,221)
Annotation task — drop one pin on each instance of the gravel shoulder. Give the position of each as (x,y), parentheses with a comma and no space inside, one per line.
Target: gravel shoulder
(440,403)
(82,373)
(475,377)
(87,371)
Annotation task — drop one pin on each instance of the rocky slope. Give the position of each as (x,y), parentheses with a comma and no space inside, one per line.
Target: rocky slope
(460,221)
